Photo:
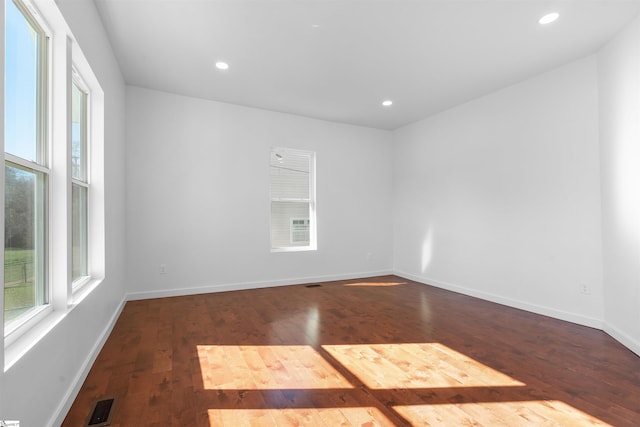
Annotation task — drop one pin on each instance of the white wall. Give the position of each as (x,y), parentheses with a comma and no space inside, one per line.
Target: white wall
(198,196)
(500,197)
(619,66)
(41,385)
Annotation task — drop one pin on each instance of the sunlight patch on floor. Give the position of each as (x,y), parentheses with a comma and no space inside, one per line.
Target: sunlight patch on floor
(365,416)
(416,365)
(375,284)
(526,413)
(242,367)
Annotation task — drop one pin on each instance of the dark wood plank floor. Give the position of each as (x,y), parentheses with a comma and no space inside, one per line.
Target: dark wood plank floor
(383,351)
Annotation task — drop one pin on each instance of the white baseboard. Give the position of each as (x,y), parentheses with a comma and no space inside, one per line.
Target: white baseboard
(77,382)
(205,289)
(623,338)
(538,309)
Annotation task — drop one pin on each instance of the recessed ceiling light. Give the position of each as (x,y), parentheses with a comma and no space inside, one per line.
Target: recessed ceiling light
(387,103)
(222,65)
(549,18)
(315,25)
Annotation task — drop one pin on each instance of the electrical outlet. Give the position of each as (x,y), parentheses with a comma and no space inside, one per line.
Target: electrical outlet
(163,268)
(584,289)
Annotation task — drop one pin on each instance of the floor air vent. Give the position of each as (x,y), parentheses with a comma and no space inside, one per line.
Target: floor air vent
(313,286)
(101,415)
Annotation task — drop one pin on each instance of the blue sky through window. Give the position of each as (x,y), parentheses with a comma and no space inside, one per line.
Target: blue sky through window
(21,84)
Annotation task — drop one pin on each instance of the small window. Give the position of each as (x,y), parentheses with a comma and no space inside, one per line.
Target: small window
(293,209)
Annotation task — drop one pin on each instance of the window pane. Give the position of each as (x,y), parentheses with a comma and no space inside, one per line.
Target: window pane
(289,224)
(290,175)
(78,133)
(24,84)
(79,232)
(25,241)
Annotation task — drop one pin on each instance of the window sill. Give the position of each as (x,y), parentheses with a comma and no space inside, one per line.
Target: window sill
(295,249)
(84,288)
(25,322)
(30,337)
(24,338)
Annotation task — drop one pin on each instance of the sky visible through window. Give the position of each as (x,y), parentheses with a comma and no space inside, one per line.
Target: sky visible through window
(21,85)
(21,88)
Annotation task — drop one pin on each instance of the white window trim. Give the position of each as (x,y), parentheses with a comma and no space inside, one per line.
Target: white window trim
(95,181)
(313,225)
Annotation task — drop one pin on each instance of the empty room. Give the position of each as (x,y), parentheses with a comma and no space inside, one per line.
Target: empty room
(320,213)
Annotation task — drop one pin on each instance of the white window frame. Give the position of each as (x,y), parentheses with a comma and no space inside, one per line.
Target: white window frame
(80,83)
(43,166)
(64,55)
(313,245)
(94,180)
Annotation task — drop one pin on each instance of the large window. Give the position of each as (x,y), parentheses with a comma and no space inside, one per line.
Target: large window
(54,228)
(293,208)
(80,182)
(26,169)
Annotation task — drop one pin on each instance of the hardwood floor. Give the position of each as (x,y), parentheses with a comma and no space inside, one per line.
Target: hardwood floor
(383,351)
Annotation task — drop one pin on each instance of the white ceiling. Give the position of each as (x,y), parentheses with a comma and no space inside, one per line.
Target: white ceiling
(338,60)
